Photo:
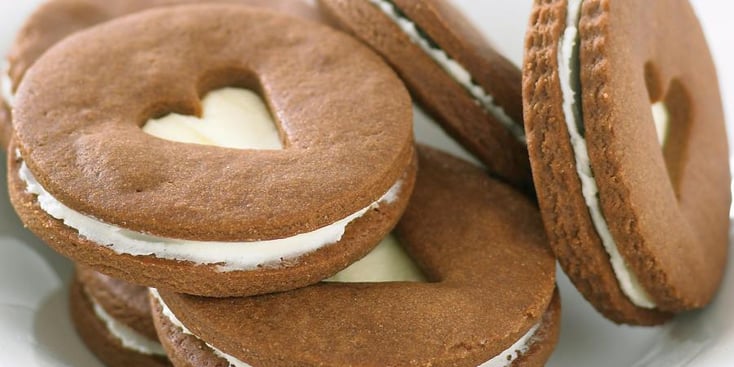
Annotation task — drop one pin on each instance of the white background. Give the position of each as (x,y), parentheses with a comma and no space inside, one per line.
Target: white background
(35,330)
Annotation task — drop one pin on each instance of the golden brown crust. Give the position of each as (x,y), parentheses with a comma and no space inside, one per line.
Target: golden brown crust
(673,235)
(359,238)
(345,117)
(98,339)
(437,92)
(479,242)
(125,302)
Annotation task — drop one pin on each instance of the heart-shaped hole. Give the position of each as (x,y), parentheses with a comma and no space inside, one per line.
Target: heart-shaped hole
(231,118)
(671,113)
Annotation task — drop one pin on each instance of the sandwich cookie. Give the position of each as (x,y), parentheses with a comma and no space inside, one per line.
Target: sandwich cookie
(451,70)
(490,299)
(628,147)
(200,219)
(57,19)
(113,319)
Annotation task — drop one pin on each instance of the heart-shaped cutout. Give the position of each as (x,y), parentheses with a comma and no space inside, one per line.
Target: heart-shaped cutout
(671,113)
(677,101)
(231,118)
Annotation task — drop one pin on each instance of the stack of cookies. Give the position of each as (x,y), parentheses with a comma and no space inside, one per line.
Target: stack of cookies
(238,183)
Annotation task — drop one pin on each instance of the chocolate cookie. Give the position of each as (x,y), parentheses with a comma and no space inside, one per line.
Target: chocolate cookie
(452,71)
(635,199)
(113,319)
(490,300)
(57,19)
(208,220)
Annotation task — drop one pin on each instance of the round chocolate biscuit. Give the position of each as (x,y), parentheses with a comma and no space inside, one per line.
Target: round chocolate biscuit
(637,216)
(113,318)
(451,70)
(490,294)
(57,19)
(344,117)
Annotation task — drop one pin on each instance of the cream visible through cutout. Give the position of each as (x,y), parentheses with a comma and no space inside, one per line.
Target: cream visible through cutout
(388,262)
(231,118)
(661,116)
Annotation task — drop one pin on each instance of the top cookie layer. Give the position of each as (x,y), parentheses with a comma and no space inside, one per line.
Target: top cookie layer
(57,19)
(344,116)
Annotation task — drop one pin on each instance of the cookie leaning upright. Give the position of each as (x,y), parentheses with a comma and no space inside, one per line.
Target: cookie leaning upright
(628,146)
(452,71)
(55,20)
(114,320)
(204,219)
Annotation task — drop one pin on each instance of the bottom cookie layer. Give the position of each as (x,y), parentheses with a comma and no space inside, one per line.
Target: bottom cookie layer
(186,350)
(97,337)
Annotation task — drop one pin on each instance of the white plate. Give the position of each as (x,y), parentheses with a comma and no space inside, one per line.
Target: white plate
(35,329)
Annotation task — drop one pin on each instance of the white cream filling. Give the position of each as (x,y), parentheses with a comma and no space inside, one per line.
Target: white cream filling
(388,262)
(231,118)
(567,64)
(223,111)
(661,116)
(129,338)
(228,256)
(453,68)
(6,85)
